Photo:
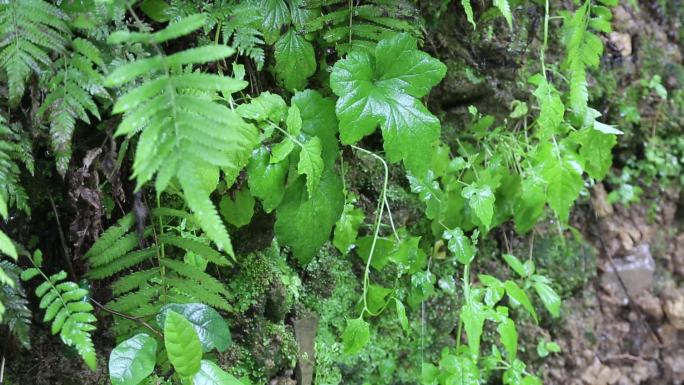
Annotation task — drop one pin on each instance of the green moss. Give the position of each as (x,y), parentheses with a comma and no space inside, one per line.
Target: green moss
(569,263)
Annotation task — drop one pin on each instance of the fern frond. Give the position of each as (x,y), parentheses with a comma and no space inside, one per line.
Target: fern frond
(70,97)
(29,31)
(370,22)
(129,260)
(133,281)
(111,235)
(13,147)
(583,50)
(68,311)
(181,128)
(143,292)
(13,302)
(241,31)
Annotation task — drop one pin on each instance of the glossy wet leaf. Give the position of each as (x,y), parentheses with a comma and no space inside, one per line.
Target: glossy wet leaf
(295,60)
(210,374)
(182,344)
(304,223)
(132,360)
(355,336)
(383,89)
(211,328)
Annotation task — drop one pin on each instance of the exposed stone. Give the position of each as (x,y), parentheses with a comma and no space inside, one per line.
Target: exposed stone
(305,333)
(635,270)
(673,305)
(650,305)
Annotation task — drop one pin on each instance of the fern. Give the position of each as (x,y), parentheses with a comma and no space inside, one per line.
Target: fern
(159,278)
(70,97)
(29,31)
(13,147)
(17,316)
(369,22)
(583,50)
(241,31)
(66,308)
(186,133)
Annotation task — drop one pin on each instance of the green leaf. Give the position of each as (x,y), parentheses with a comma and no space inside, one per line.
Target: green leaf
(460,245)
(211,374)
(281,150)
(509,337)
(155,10)
(266,106)
(311,164)
(197,196)
(266,180)
(347,228)
(239,211)
(551,300)
(516,265)
(182,344)
(481,200)
(505,9)
(401,315)
(355,336)
(519,296)
(469,12)
(551,106)
(133,360)
(295,60)
(564,181)
(376,298)
(294,120)
(319,120)
(384,89)
(381,253)
(7,247)
(274,15)
(473,319)
(211,328)
(596,152)
(530,204)
(304,223)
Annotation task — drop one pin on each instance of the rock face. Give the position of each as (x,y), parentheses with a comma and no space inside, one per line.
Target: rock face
(305,334)
(635,272)
(629,328)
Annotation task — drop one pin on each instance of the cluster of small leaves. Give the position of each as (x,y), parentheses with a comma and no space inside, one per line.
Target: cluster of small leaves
(189,330)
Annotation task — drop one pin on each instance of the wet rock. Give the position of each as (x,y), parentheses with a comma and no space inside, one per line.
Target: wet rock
(305,333)
(674,367)
(635,270)
(650,305)
(673,305)
(678,255)
(600,374)
(622,42)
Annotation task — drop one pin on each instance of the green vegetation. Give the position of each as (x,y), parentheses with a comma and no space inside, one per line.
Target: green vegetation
(228,168)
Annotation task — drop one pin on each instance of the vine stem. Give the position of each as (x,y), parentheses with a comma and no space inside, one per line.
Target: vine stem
(378,220)
(546,36)
(128,317)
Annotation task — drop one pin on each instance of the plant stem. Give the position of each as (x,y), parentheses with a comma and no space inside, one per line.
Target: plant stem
(378,220)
